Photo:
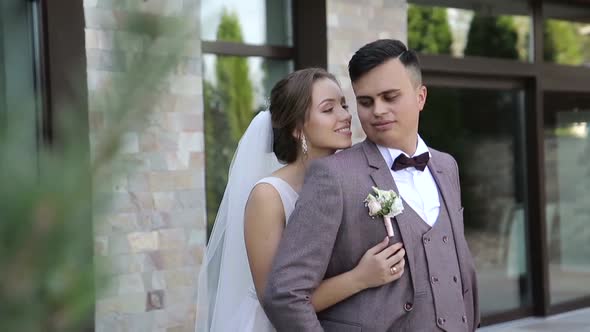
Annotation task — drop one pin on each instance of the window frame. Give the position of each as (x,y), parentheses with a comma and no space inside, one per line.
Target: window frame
(538,78)
(309,19)
(60,29)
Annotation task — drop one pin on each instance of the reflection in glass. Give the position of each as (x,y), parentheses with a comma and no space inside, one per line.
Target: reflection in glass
(2,64)
(566,34)
(483,130)
(263,22)
(567,180)
(234,89)
(19,107)
(473,28)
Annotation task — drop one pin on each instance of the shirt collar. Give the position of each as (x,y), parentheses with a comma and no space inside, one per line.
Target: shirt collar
(390,154)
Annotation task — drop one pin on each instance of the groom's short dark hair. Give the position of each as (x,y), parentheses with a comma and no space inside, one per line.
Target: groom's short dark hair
(380,51)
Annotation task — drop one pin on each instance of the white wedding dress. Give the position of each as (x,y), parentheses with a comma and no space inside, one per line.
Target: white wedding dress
(250,316)
(226,300)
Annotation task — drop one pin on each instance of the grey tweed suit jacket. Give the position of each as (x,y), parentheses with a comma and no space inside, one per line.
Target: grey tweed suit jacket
(329,232)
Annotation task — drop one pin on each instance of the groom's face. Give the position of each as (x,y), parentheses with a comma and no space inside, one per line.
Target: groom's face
(389,101)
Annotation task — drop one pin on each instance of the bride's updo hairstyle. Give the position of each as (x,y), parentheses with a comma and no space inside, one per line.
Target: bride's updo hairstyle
(290,101)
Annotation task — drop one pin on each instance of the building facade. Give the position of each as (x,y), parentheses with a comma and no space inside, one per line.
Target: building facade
(508,95)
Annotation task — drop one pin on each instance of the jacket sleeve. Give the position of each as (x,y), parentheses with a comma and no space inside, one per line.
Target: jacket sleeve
(304,252)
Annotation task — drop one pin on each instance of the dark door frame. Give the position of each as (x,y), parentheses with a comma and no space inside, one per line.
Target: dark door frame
(62,88)
(62,58)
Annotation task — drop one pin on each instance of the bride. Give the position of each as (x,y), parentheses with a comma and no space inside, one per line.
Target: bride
(307,119)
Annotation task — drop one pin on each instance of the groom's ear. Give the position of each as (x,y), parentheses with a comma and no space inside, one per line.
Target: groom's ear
(421,93)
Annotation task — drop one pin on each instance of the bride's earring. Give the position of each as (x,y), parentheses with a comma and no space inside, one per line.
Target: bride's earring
(303,144)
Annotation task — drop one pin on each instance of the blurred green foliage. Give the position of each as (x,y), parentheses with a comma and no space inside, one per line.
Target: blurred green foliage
(564,44)
(492,36)
(48,278)
(428,30)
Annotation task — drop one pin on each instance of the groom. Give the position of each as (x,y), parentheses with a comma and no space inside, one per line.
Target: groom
(331,229)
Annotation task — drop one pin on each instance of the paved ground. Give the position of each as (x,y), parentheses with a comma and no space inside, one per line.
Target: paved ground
(575,321)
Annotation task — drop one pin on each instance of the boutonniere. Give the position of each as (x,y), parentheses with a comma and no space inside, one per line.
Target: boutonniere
(385,203)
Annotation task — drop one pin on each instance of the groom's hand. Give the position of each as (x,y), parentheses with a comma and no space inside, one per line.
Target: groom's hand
(380,265)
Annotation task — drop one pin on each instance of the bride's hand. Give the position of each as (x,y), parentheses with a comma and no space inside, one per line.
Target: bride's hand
(380,265)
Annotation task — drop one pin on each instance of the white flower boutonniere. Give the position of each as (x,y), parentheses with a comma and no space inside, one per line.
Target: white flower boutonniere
(385,203)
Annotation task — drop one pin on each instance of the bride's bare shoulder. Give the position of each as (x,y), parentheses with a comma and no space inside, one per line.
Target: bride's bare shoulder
(264,205)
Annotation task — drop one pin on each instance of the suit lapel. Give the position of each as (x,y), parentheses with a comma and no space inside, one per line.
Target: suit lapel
(381,176)
(442,177)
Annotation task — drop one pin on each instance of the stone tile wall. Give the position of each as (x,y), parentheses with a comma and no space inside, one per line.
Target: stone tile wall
(154,237)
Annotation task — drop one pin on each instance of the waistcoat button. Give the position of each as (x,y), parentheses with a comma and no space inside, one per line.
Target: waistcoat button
(408,306)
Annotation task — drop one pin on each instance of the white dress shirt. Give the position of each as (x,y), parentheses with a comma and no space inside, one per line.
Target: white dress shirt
(417,188)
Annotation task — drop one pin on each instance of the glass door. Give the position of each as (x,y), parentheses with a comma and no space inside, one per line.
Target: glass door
(483,128)
(567,187)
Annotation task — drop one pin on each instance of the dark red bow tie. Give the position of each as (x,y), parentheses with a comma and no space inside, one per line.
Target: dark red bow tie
(418,162)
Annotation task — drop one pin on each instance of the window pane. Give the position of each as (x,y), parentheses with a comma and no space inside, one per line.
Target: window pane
(2,71)
(484,131)
(566,34)
(18,95)
(256,22)
(567,180)
(496,29)
(232,86)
